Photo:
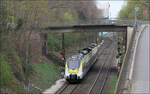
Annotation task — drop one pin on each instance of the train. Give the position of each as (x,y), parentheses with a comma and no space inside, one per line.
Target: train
(78,65)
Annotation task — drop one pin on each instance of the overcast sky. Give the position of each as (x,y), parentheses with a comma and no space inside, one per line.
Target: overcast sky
(115,6)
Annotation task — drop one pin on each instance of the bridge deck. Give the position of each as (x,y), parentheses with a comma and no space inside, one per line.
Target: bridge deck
(87,28)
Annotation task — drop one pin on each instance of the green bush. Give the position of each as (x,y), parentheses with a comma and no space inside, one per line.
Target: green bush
(19,23)
(68,16)
(27,68)
(68,40)
(54,43)
(5,73)
(121,59)
(12,57)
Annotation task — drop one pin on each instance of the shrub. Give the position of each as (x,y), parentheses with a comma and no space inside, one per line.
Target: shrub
(27,68)
(54,42)
(5,73)
(68,16)
(19,24)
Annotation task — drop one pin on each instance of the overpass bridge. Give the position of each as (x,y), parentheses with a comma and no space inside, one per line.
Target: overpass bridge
(99,25)
(92,26)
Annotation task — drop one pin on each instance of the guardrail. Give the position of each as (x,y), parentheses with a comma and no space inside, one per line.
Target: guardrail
(98,22)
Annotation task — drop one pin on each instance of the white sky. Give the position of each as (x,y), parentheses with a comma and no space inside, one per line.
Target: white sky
(115,6)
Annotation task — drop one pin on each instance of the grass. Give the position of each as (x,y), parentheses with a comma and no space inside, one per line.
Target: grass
(5,73)
(48,73)
(17,89)
(113,84)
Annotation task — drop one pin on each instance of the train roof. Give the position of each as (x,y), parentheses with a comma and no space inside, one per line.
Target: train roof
(77,56)
(82,52)
(85,51)
(92,45)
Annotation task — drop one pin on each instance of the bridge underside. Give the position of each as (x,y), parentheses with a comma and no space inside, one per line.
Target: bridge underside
(86,28)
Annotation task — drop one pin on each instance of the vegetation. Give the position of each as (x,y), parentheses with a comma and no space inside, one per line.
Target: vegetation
(72,43)
(68,16)
(48,73)
(54,42)
(128,9)
(20,21)
(10,69)
(113,84)
(5,73)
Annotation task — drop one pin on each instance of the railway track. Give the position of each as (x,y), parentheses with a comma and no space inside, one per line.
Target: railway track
(67,89)
(99,72)
(99,82)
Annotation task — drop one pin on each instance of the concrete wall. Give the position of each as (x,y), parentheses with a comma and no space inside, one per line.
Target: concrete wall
(129,35)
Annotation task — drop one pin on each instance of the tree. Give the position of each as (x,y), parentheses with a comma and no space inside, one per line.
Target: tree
(3,19)
(127,10)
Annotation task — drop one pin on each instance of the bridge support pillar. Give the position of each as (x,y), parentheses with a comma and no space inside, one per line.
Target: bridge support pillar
(45,44)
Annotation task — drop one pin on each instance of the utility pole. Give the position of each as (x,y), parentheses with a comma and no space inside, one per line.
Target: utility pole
(26,70)
(109,9)
(135,16)
(63,46)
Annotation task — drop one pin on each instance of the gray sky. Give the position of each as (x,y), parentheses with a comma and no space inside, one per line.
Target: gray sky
(115,6)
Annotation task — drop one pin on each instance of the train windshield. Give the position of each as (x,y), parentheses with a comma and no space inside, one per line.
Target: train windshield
(74,62)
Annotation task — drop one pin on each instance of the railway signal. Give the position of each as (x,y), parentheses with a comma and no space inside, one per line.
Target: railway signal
(145,12)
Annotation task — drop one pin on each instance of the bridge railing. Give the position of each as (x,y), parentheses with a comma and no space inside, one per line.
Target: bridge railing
(97,22)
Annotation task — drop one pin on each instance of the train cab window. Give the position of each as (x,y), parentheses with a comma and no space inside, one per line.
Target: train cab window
(73,64)
(79,55)
(74,61)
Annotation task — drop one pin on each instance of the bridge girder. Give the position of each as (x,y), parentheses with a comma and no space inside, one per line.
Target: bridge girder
(86,28)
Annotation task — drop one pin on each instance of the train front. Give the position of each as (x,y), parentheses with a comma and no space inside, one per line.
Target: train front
(73,68)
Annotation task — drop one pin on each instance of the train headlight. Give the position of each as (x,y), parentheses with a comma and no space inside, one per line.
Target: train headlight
(73,71)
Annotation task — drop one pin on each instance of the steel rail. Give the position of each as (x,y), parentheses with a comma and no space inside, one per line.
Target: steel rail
(104,76)
(68,88)
(105,80)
